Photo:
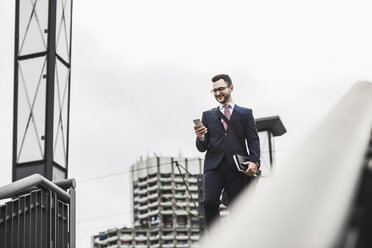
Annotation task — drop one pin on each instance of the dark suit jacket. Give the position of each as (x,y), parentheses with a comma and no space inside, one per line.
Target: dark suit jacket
(219,143)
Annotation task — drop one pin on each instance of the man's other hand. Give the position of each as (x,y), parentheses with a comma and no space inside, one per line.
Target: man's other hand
(200,131)
(252,168)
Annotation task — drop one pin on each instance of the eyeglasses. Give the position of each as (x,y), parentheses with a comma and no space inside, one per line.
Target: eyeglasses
(214,91)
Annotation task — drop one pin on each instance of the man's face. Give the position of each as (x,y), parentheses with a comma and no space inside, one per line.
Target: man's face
(223,94)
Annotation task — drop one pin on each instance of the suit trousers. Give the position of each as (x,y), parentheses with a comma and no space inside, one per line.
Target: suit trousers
(224,176)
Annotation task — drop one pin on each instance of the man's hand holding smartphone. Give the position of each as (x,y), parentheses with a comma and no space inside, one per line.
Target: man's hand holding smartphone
(200,130)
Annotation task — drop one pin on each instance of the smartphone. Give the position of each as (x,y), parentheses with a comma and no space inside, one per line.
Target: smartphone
(197,122)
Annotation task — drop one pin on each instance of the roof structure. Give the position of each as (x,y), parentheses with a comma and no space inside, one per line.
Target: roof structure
(272,123)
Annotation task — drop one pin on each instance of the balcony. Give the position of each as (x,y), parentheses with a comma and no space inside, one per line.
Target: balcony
(182,237)
(142,191)
(180,196)
(178,180)
(140,238)
(168,195)
(140,246)
(182,246)
(165,179)
(194,196)
(181,212)
(154,237)
(195,237)
(153,196)
(166,187)
(165,204)
(143,216)
(126,236)
(143,207)
(180,187)
(193,188)
(168,226)
(153,187)
(194,212)
(192,180)
(166,212)
(167,237)
(151,180)
(143,199)
(102,242)
(143,183)
(153,212)
(112,238)
(168,245)
(153,204)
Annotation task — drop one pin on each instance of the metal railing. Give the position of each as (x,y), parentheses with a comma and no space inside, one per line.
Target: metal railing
(40,213)
(321,196)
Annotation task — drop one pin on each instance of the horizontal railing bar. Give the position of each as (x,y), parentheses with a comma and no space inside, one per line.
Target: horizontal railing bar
(30,182)
(66,183)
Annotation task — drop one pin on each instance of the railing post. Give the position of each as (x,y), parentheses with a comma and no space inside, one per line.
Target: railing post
(200,204)
(72,218)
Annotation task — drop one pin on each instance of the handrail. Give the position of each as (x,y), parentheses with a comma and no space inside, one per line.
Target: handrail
(26,183)
(308,202)
(66,183)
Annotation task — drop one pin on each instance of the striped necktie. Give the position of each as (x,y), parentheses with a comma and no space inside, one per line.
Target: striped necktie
(227,114)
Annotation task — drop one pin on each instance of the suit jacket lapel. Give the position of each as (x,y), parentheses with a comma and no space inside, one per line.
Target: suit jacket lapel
(235,113)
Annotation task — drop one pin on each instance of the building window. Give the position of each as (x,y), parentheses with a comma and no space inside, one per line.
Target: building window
(195,222)
(154,222)
(181,221)
(168,220)
(152,176)
(164,192)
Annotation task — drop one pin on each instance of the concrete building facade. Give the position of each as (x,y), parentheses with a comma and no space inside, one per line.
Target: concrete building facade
(165,201)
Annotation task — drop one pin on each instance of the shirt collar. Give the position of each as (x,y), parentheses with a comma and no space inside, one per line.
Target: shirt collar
(232,105)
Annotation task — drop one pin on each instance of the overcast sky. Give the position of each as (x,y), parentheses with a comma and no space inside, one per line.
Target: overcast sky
(141,73)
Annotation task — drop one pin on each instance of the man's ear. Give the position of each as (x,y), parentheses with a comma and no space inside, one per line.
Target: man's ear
(231,87)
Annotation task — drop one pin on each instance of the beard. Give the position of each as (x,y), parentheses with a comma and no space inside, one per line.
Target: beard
(222,98)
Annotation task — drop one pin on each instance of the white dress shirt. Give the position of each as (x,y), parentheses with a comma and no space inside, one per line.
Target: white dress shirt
(231,108)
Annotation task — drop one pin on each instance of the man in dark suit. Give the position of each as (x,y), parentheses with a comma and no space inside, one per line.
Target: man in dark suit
(220,143)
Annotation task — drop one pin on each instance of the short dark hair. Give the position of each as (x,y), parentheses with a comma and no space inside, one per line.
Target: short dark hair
(225,78)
